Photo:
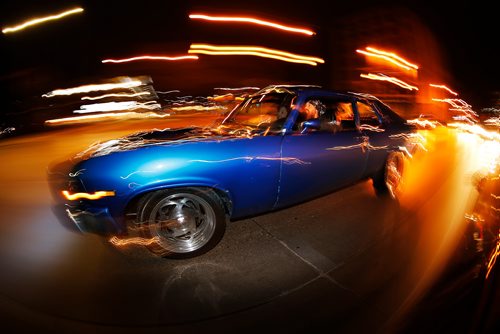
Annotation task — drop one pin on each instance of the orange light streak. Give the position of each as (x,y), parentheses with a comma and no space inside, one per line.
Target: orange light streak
(389,59)
(254,51)
(444,87)
(134,241)
(383,77)
(36,21)
(94,196)
(114,95)
(423,123)
(392,56)
(117,115)
(253,20)
(147,57)
(493,257)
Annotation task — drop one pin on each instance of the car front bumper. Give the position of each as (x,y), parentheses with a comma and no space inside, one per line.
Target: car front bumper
(88,220)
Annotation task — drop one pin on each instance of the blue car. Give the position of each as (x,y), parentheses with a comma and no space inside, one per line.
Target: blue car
(174,190)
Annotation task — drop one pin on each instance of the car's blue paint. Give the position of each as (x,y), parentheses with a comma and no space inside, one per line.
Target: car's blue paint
(255,174)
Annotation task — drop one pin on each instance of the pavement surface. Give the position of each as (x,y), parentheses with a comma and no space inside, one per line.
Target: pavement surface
(350,261)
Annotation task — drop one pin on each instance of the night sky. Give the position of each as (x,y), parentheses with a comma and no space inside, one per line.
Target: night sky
(59,54)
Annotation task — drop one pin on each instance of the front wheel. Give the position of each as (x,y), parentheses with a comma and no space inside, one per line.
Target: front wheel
(183,222)
(388,180)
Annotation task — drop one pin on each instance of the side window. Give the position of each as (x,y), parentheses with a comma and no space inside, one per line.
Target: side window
(343,115)
(367,116)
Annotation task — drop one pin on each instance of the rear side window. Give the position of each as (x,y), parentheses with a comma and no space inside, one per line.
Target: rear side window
(367,115)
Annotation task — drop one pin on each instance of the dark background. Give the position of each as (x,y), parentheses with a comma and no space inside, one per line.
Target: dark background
(67,53)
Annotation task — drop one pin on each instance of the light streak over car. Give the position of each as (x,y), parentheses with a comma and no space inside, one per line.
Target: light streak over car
(252,20)
(114,106)
(92,98)
(148,57)
(40,20)
(93,88)
(383,77)
(248,50)
(105,116)
(444,87)
(388,56)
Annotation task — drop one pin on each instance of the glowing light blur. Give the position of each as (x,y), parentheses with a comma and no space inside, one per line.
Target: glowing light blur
(147,57)
(36,21)
(252,20)
(105,116)
(493,257)
(115,95)
(254,51)
(389,56)
(93,88)
(423,123)
(383,77)
(196,107)
(443,87)
(134,241)
(114,106)
(93,196)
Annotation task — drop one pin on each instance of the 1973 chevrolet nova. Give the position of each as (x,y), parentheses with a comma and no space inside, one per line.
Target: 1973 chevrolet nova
(178,188)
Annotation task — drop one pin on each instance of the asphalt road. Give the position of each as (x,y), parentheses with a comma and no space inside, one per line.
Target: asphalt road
(350,261)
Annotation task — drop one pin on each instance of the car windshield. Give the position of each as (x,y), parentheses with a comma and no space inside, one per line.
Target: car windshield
(266,111)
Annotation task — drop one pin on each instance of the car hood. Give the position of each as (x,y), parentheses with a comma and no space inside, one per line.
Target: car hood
(162,137)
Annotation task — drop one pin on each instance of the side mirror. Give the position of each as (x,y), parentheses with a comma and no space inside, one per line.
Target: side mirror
(312,124)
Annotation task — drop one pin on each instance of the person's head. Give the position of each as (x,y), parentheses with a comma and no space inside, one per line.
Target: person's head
(311,109)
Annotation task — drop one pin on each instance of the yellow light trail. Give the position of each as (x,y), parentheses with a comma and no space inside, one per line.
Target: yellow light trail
(253,20)
(93,88)
(254,51)
(392,56)
(105,116)
(36,21)
(443,87)
(115,106)
(93,196)
(383,77)
(389,59)
(114,95)
(148,57)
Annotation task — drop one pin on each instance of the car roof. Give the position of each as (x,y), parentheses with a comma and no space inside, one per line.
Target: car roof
(311,90)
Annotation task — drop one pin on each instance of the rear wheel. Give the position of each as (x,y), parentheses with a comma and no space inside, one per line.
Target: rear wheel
(183,222)
(388,179)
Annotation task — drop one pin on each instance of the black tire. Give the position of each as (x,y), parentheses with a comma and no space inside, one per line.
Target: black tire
(387,182)
(185,222)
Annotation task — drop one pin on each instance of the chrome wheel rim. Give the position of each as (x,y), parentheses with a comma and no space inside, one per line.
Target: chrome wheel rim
(182,222)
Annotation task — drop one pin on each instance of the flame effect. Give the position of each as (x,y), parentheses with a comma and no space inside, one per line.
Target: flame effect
(252,20)
(383,77)
(93,196)
(258,51)
(148,57)
(39,20)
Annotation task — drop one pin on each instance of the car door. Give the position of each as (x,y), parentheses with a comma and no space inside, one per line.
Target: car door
(319,161)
